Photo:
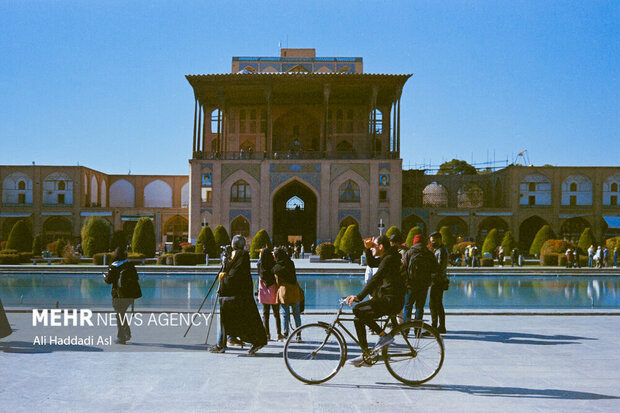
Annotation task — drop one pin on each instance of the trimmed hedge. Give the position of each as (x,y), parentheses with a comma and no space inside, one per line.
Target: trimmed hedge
(60,247)
(411,235)
(260,241)
(37,245)
(68,255)
(188,248)
(9,259)
(165,259)
(96,234)
(549,260)
(447,237)
(20,237)
(143,240)
(136,256)
(585,240)
(545,233)
(188,258)
(221,237)
(205,244)
(338,240)
(612,244)
(491,242)
(98,258)
(352,243)
(486,262)
(325,251)
(119,239)
(508,243)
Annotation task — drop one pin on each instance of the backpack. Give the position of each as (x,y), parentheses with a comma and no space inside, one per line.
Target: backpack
(420,269)
(128,282)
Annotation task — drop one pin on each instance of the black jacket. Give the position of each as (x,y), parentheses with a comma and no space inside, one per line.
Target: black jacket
(238,279)
(265,271)
(114,272)
(387,281)
(420,264)
(285,270)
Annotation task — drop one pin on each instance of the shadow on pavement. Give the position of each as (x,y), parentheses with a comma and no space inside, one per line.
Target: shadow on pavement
(25,347)
(513,338)
(488,391)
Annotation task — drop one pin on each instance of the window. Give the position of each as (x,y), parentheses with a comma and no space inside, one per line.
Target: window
(532,187)
(383,196)
(349,192)
(21,198)
(531,200)
(61,185)
(614,187)
(215,120)
(61,199)
(613,200)
(376,122)
(573,200)
(253,121)
(21,185)
(205,194)
(240,192)
(573,187)
(295,203)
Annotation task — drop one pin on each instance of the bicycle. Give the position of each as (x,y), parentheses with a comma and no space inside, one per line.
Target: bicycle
(315,353)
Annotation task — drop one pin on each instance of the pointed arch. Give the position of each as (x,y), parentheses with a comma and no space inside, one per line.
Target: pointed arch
(158,194)
(94,190)
(240,225)
(122,194)
(17,189)
(577,190)
(348,220)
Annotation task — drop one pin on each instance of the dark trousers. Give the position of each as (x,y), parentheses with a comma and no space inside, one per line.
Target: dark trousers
(120,306)
(415,296)
(367,311)
(438,314)
(275,308)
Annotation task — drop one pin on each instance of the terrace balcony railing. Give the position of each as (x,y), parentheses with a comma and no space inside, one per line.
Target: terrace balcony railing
(286,155)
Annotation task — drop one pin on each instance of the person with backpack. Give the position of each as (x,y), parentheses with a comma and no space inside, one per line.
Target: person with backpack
(124,278)
(419,263)
(289,294)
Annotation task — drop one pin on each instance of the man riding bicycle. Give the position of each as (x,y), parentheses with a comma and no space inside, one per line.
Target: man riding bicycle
(387,288)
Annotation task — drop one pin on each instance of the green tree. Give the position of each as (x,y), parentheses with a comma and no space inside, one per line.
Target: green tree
(221,236)
(411,235)
(508,243)
(456,167)
(338,241)
(143,240)
(352,243)
(37,245)
(20,237)
(260,241)
(491,241)
(119,240)
(447,237)
(95,236)
(586,239)
(394,231)
(205,244)
(543,234)
(61,244)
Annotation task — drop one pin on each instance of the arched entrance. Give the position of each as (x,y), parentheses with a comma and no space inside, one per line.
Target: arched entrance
(528,230)
(176,229)
(490,223)
(294,214)
(411,221)
(57,227)
(572,228)
(457,226)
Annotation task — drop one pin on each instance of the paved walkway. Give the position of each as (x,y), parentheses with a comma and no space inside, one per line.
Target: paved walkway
(493,363)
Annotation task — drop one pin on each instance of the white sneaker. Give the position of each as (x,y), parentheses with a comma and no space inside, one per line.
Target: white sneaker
(383,341)
(358,362)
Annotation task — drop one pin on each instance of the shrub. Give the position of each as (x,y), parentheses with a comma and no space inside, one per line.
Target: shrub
(95,235)
(557,246)
(325,251)
(68,255)
(486,262)
(337,251)
(143,240)
(163,259)
(25,256)
(543,234)
(9,259)
(508,243)
(411,235)
(188,258)
(352,243)
(8,251)
(2,245)
(136,256)
(60,247)
(37,245)
(51,246)
(549,260)
(185,247)
(20,237)
(491,242)
(447,237)
(585,240)
(119,240)
(98,258)
(221,237)
(260,241)
(612,244)
(205,244)
(459,249)
(394,231)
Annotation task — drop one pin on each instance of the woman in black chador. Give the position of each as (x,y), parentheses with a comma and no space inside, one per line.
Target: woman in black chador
(237,305)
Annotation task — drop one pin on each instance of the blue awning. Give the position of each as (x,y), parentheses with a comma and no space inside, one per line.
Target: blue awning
(612,222)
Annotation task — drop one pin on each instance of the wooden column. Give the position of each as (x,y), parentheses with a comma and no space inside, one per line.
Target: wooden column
(326,93)
(373,118)
(205,125)
(198,144)
(268,138)
(195,116)
(398,125)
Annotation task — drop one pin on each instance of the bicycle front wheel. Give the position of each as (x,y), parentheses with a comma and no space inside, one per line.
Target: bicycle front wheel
(313,353)
(416,355)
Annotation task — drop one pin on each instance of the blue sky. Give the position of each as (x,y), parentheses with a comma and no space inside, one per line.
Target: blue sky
(102,82)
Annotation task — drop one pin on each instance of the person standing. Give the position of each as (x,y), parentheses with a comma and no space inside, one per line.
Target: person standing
(605,255)
(124,278)
(240,317)
(576,258)
(5,326)
(289,292)
(268,290)
(616,257)
(591,256)
(514,257)
(569,258)
(500,255)
(420,264)
(440,283)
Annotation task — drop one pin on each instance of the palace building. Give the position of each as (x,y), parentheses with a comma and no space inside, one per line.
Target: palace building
(297,145)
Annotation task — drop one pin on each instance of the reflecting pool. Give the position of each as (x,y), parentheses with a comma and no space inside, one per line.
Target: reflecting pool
(186,292)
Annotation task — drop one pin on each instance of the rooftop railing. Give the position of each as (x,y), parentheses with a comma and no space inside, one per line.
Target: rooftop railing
(283,155)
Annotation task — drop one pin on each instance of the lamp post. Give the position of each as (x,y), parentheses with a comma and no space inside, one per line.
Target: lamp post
(381,226)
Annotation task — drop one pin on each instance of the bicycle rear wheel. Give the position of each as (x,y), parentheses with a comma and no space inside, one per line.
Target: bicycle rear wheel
(316,356)
(416,355)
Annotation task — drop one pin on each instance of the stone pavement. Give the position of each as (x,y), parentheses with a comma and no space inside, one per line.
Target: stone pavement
(507,363)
